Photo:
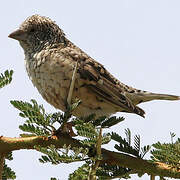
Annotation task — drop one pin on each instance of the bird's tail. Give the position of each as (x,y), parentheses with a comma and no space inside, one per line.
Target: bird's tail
(154,96)
(147,96)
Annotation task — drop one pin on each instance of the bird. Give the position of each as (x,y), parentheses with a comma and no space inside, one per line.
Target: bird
(50,60)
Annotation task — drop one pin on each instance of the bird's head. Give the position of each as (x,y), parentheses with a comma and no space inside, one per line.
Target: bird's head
(37,32)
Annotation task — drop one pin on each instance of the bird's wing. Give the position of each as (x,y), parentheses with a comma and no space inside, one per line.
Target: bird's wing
(101,82)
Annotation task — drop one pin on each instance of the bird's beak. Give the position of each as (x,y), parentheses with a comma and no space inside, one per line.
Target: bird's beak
(18,35)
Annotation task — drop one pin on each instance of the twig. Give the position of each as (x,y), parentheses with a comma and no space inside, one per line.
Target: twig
(152,177)
(72,84)
(92,173)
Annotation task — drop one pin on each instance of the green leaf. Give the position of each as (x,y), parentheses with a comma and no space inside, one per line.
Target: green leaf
(9,156)
(34,129)
(168,153)
(112,171)
(106,138)
(86,130)
(65,155)
(125,144)
(128,136)
(8,173)
(53,178)
(6,78)
(144,150)
(137,143)
(112,121)
(37,121)
(81,173)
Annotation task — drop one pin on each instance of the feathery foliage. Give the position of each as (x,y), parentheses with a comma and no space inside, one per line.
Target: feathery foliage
(168,153)
(103,121)
(103,172)
(126,147)
(81,173)
(8,173)
(64,155)
(6,78)
(38,122)
(112,171)
(89,129)
(90,133)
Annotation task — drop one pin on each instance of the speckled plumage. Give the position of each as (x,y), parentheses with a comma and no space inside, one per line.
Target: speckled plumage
(50,59)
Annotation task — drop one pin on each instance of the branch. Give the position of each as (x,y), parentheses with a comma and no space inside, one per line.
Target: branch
(92,173)
(111,158)
(2,158)
(152,177)
(8,144)
(124,160)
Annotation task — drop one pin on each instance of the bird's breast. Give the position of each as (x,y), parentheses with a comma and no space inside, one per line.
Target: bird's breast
(51,75)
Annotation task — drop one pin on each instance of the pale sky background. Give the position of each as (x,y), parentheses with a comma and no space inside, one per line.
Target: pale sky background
(137,40)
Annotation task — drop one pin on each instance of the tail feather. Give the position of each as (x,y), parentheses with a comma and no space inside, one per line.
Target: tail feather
(154,96)
(144,96)
(139,111)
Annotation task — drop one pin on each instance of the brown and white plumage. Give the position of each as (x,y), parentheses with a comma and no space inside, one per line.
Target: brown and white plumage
(50,59)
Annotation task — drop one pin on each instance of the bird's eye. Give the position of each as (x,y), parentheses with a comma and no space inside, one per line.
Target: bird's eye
(32,30)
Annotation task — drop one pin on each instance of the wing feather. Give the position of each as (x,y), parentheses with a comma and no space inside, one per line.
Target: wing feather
(101,82)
